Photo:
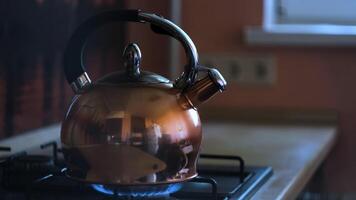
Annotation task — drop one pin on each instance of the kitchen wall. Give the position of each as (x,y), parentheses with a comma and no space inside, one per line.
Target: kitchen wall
(33,35)
(309,78)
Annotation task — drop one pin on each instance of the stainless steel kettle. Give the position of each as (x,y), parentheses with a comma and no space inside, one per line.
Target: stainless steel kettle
(134,127)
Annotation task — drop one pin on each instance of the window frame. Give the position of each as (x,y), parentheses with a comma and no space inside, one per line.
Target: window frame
(273,32)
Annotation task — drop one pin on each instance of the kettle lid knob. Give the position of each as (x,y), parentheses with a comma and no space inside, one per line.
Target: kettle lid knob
(132,59)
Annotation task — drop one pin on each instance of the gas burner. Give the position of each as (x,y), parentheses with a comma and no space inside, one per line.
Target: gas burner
(163,191)
(156,191)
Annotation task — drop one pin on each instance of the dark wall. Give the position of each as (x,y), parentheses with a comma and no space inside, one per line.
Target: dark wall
(33,35)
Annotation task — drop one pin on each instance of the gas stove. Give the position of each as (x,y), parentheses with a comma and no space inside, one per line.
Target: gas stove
(40,175)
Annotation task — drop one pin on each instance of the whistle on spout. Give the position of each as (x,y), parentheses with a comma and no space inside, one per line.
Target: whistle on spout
(202,90)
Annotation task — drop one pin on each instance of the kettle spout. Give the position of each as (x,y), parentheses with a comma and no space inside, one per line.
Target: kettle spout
(202,90)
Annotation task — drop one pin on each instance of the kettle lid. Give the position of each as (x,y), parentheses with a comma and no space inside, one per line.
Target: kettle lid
(132,73)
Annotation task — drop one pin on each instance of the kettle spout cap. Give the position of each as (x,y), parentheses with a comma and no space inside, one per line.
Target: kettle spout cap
(203,89)
(217,78)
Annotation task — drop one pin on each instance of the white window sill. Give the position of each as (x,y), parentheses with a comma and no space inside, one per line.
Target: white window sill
(302,35)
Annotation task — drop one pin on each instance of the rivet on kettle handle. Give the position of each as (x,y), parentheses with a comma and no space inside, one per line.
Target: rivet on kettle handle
(81,83)
(203,89)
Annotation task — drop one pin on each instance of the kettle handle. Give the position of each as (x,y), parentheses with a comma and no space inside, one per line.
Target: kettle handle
(74,68)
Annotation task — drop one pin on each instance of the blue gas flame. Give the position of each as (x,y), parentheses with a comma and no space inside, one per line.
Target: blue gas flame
(138,191)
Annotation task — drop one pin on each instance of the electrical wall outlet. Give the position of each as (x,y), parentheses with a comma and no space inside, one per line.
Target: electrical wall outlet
(244,70)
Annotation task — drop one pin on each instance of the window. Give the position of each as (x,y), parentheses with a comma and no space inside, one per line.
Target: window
(317,11)
(330,22)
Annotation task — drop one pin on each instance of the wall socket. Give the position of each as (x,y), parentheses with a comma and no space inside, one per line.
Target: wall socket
(244,70)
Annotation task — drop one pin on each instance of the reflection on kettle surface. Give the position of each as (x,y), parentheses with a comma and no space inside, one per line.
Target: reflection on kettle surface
(117,138)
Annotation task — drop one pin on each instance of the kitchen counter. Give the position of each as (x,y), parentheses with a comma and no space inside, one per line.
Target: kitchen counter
(293,151)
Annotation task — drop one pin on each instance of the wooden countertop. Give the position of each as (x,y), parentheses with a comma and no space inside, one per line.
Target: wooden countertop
(293,151)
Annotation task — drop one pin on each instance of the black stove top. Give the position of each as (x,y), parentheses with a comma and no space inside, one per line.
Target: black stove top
(37,177)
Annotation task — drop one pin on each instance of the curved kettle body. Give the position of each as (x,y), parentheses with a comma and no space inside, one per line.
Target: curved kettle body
(134,127)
